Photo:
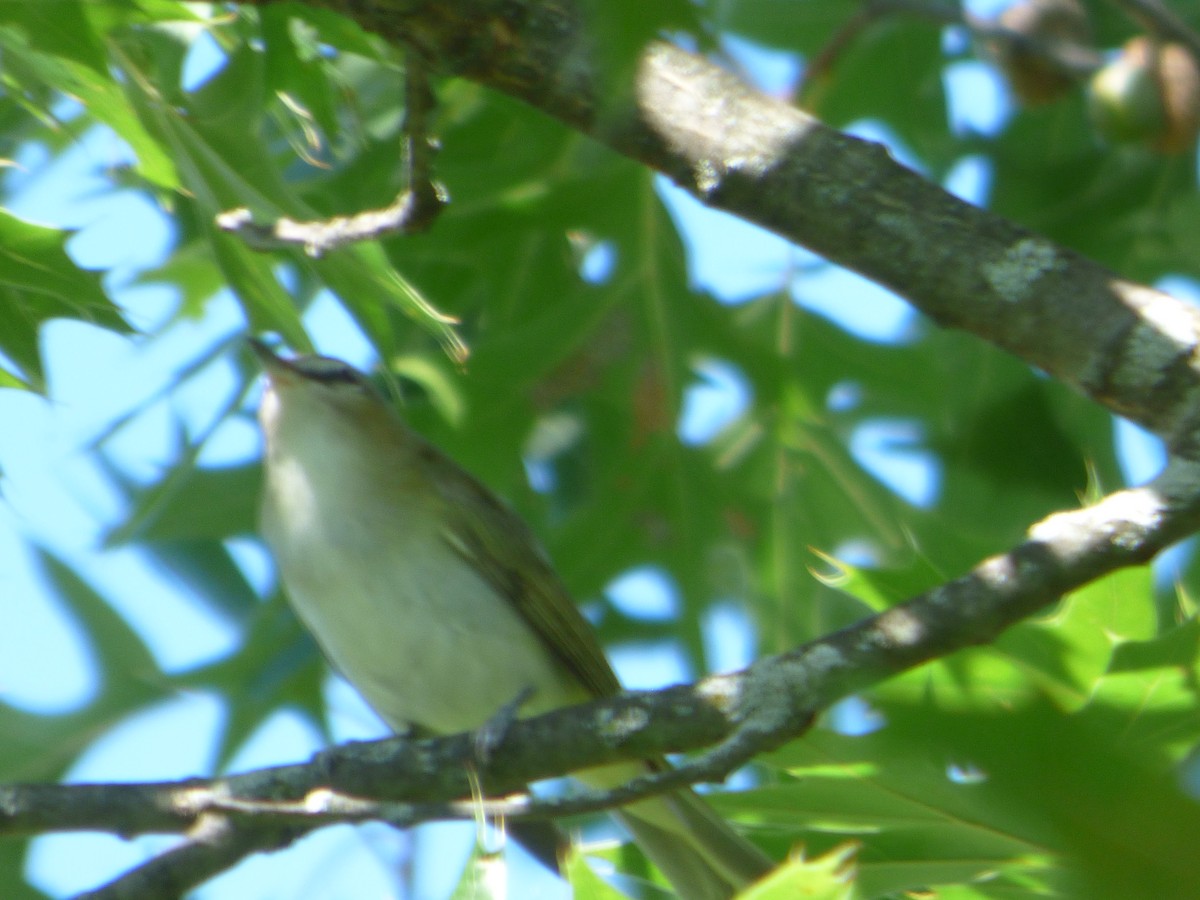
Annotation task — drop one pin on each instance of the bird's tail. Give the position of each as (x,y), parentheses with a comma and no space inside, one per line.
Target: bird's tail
(698,851)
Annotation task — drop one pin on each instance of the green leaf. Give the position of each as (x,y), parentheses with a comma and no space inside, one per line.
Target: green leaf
(39,282)
(1065,652)
(61,29)
(40,747)
(827,877)
(1016,792)
(131,674)
(105,100)
(585,883)
(194,503)
(276,666)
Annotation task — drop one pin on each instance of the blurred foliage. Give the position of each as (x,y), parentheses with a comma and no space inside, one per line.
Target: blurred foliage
(1048,764)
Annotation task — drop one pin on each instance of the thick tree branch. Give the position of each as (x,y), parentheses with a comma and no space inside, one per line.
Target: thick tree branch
(736,716)
(1126,345)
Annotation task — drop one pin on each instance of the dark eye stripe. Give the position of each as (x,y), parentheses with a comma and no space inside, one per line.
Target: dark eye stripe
(336,376)
(328,371)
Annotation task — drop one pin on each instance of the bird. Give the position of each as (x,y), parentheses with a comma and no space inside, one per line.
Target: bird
(436,601)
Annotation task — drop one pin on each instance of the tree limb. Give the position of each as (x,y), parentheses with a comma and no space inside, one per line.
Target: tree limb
(736,716)
(1125,345)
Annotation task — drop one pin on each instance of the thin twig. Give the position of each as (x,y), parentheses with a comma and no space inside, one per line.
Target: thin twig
(1072,60)
(414,209)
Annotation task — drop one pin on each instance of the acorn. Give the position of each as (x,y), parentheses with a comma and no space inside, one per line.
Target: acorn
(1149,94)
(1044,33)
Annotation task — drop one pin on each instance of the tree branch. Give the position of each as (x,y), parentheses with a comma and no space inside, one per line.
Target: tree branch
(1125,345)
(414,210)
(736,716)
(1159,19)
(1064,57)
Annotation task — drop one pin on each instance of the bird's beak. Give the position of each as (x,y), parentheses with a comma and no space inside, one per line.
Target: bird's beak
(275,366)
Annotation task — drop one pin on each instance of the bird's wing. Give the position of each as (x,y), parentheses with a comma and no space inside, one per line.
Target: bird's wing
(494,540)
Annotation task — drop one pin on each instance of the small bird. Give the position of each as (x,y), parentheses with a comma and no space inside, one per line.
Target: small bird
(436,601)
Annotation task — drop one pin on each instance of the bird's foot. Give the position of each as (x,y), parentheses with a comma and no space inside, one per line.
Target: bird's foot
(490,735)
